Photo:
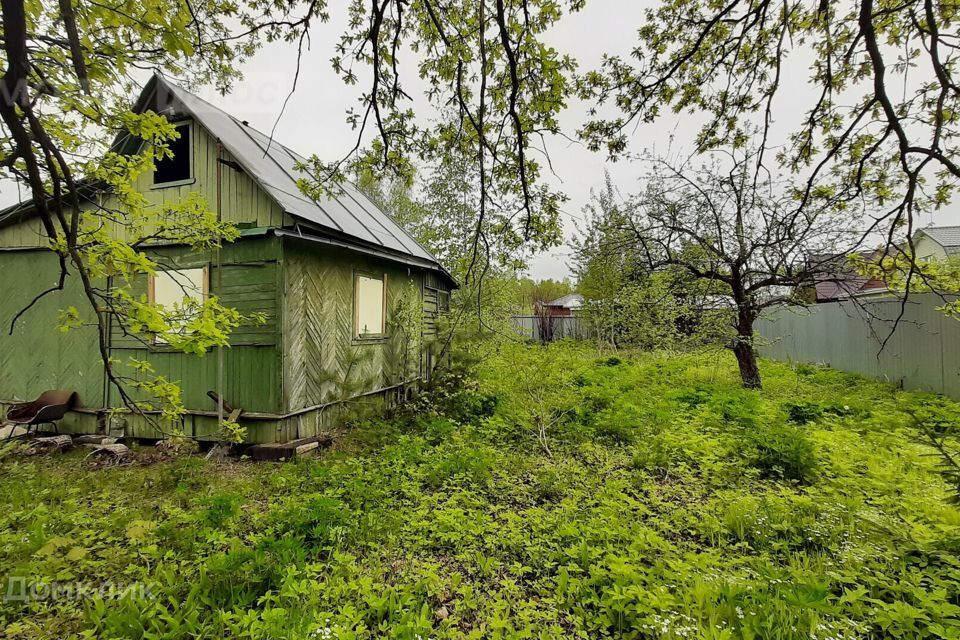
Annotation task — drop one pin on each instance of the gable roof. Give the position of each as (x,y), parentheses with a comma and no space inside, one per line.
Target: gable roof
(349,215)
(946,237)
(836,278)
(569,301)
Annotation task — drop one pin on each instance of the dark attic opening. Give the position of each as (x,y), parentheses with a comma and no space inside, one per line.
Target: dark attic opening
(176,168)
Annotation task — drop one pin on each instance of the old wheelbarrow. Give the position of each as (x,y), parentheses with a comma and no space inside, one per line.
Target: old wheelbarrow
(47,409)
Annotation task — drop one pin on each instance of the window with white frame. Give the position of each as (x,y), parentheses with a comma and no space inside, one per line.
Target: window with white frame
(179,289)
(369,306)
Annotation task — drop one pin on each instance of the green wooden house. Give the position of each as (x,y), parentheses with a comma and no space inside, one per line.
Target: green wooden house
(326,275)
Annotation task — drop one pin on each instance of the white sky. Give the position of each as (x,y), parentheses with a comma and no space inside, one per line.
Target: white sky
(313,121)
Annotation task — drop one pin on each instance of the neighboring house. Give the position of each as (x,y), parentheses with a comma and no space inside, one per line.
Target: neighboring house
(837,279)
(566,305)
(326,274)
(936,243)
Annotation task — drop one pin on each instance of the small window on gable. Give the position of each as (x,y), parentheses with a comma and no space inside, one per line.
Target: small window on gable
(369,306)
(443,301)
(179,290)
(176,169)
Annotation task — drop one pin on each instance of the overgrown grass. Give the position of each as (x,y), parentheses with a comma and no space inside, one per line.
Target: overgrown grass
(672,503)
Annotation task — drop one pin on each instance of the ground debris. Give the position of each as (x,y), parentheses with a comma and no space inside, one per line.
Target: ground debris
(49,444)
(111,455)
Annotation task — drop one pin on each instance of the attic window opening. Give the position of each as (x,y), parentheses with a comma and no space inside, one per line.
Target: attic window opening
(370,304)
(177,169)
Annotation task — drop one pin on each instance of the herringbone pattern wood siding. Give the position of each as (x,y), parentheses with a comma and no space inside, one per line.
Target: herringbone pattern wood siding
(319,350)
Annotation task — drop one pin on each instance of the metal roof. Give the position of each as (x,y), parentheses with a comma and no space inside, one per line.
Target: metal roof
(946,237)
(349,213)
(569,301)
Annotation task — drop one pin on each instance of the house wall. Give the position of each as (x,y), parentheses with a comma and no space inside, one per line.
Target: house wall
(304,355)
(38,355)
(927,249)
(242,201)
(322,360)
(248,280)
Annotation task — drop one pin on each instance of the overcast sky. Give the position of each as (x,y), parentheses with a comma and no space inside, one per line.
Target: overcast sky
(313,121)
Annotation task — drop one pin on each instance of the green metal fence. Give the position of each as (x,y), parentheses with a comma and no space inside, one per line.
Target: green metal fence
(922,352)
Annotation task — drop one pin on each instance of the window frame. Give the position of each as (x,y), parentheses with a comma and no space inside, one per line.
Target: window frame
(152,291)
(368,337)
(191,129)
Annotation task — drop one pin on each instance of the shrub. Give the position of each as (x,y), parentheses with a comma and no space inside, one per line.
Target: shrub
(316,520)
(782,452)
(693,397)
(219,509)
(468,464)
(186,475)
(803,412)
(654,456)
(615,432)
(453,394)
(550,485)
(240,577)
(737,407)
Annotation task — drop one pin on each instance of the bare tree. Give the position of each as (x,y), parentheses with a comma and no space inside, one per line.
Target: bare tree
(720,223)
(880,97)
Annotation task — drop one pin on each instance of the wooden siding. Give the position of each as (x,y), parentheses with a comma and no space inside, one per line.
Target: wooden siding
(290,363)
(318,342)
(242,201)
(39,356)
(28,233)
(250,283)
(433,288)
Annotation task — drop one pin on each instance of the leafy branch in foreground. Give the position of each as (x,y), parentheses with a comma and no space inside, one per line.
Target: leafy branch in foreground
(498,89)
(70,69)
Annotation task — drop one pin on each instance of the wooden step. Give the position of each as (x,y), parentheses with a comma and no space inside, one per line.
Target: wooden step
(299,448)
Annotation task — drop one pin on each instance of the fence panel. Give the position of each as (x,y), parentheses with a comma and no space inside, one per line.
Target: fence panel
(562,327)
(923,353)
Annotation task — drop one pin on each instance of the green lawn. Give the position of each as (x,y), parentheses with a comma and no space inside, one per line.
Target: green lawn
(672,504)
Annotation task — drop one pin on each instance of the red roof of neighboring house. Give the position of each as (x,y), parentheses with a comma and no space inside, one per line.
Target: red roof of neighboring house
(839,280)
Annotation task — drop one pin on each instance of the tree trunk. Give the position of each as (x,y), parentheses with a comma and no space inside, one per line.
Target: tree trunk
(747,361)
(743,347)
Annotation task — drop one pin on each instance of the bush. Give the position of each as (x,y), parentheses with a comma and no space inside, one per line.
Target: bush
(804,412)
(218,510)
(317,520)
(240,577)
(692,398)
(782,452)
(615,432)
(452,394)
(469,465)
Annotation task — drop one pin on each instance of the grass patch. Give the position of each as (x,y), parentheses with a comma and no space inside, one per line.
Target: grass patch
(563,493)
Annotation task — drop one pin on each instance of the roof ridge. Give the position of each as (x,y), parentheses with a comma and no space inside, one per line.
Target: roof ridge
(272,166)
